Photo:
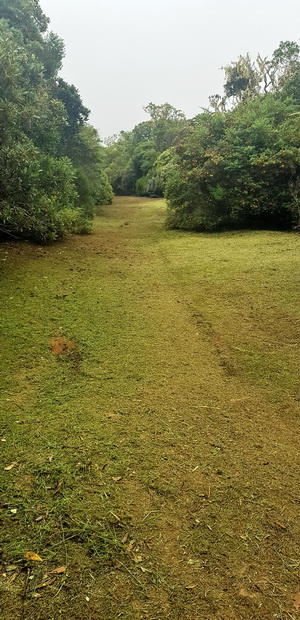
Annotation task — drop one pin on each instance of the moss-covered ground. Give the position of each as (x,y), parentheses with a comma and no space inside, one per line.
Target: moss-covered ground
(150,423)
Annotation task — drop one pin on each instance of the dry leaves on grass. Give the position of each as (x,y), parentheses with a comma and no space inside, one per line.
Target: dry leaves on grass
(30,556)
(48,582)
(297,601)
(243,593)
(11,466)
(44,584)
(58,570)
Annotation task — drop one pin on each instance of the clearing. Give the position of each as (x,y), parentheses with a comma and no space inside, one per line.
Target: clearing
(150,423)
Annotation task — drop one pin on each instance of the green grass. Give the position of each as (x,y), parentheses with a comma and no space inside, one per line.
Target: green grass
(244,287)
(162,451)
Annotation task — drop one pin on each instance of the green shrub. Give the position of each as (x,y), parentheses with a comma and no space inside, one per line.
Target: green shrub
(105,193)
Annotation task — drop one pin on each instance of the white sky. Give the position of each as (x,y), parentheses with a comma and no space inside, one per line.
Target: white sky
(122,54)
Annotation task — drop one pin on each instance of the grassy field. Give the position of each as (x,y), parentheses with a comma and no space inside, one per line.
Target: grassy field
(150,423)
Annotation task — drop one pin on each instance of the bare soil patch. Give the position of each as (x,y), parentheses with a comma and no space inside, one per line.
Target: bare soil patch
(61,346)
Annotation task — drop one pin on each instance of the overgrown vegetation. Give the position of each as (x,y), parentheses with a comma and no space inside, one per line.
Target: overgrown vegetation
(133,159)
(236,164)
(51,161)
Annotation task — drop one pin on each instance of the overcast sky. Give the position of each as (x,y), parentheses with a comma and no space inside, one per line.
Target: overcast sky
(122,54)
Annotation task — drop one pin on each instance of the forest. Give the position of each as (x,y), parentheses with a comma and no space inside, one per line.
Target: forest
(51,159)
(234,165)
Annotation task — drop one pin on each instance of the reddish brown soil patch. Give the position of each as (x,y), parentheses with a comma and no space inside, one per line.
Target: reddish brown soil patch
(61,346)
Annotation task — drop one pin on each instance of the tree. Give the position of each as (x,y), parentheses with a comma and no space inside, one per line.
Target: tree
(242,78)
(76,113)
(131,157)
(246,78)
(238,168)
(44,139)
(52,54)
(25,16)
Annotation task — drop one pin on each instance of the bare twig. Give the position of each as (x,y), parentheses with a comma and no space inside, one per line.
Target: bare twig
(23,594)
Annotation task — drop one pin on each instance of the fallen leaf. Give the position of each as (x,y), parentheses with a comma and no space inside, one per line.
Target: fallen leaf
(117,478)
(2,439)
(125,538)
(40,518)
(38,507)
(297,601)
(130,546)
(245,594)
(45,583)
(138,558)
(32,557)
(58,571)
(145,570)
(283,527)
(9,467)
(191,587)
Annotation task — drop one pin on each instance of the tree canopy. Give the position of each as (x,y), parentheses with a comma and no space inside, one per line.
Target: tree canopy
(239,162)
(48,153)
(235,164)
(131,156)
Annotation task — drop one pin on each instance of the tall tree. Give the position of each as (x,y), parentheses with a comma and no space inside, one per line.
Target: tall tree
(41,118)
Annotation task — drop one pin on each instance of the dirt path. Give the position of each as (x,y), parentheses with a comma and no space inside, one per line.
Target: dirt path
(173,473)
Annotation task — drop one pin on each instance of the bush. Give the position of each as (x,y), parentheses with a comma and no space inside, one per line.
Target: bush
(105,192)
(141,186)
(38,194)
(236,169)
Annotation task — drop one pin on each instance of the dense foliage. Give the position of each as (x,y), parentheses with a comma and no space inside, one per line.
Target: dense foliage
(238,164)
(132,156)
(51,161)
(235,164)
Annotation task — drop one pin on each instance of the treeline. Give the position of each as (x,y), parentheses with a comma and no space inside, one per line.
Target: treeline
(237,164)
(51,161)
(134,158)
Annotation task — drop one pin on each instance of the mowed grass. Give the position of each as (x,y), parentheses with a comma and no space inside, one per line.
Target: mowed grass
(244,288)
(156,458)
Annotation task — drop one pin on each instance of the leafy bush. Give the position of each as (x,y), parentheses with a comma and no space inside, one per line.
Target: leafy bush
(105,193)
(237,168)
(141,186)
(37,193)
